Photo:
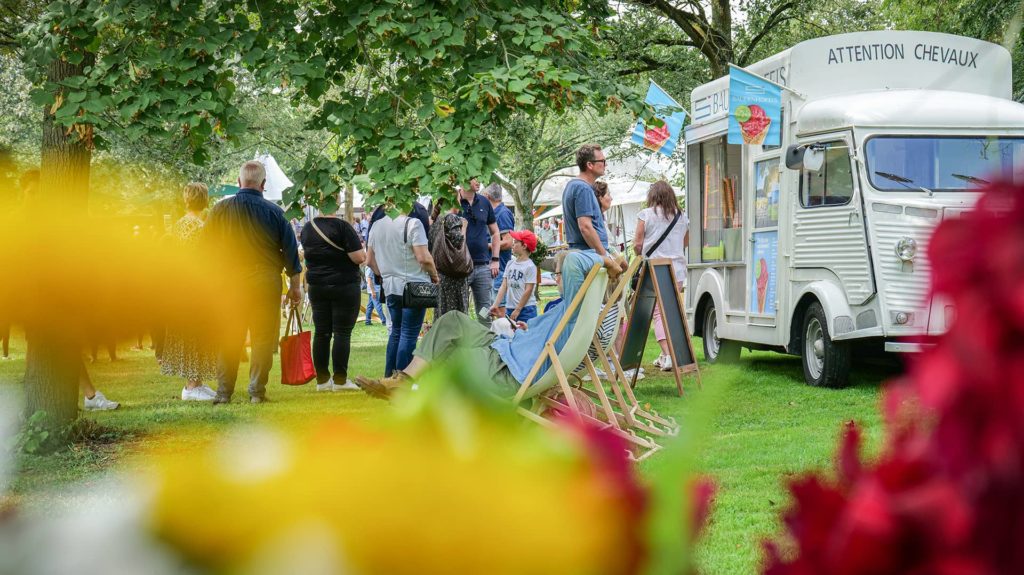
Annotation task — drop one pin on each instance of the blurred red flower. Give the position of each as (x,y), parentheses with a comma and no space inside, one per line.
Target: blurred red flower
(946,495)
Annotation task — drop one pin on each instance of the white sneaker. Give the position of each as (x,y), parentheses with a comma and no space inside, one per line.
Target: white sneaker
(326,386)
(600,374)
(206,389)
(197,394)
(99,402)
(348,386)
(664,363)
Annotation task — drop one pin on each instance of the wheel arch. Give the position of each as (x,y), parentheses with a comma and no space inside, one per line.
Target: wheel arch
(709,291)
(833,302)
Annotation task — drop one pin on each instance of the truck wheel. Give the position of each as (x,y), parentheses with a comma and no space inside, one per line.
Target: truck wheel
(717,350)
(826,363)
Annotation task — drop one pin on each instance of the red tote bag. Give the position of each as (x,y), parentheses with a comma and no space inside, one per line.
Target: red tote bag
(296,355)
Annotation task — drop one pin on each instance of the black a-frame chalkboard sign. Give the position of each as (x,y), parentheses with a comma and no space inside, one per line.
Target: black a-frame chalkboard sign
(657,285)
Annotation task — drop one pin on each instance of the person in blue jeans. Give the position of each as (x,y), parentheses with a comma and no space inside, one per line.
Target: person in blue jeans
(484,243)
(506,222)
(397,251)
(373,292)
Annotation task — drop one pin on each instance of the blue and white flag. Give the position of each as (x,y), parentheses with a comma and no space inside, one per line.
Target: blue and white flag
(755,109)
(664,136)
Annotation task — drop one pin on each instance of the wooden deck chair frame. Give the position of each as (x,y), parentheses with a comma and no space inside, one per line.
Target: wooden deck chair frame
(630,415)
(535,384)
(624,413)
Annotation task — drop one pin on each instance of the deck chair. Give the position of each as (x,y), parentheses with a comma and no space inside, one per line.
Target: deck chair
(537,387)
(625,410)
(621,409)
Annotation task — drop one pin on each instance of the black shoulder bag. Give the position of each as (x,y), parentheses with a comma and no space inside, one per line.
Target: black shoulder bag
(417,294)
(636,277)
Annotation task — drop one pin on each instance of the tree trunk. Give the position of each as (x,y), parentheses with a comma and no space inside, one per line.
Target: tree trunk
(524,208)
(66,153)
(53,367)
(349,200)
(54,358)
(721,37)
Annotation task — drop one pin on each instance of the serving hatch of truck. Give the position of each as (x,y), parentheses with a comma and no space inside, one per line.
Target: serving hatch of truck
(819,244)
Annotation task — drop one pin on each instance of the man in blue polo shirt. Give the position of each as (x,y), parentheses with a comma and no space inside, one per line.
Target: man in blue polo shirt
(483,242)
(584,223)
(506,221)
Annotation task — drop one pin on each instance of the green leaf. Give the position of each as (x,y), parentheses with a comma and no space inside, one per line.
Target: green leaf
(518,85)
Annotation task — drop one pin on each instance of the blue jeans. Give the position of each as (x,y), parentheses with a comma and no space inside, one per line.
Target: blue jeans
(373,303)
(480,284)
(405,330)
(526,314)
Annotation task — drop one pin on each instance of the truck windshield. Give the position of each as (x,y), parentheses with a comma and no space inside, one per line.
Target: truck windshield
(942,164)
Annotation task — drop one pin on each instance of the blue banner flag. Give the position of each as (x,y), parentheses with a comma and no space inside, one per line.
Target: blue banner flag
(755,110)
(663,133)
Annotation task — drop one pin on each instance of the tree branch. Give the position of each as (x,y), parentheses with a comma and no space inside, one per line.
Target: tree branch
(649,65)
(673,42)
(694,25)
(774,19)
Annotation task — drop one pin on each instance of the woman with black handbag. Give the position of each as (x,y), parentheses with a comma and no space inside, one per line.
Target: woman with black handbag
(333,254)
(662,232)
(397,251)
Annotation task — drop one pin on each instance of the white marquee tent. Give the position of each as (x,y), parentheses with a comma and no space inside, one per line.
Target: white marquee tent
(277,180)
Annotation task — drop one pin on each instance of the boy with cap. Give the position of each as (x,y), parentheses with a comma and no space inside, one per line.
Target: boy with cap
(520,281)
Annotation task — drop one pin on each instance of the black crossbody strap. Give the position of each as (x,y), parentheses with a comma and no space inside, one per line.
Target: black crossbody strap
(324,236)
(663,235)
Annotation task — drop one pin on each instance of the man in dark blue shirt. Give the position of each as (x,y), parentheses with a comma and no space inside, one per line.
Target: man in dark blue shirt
(484,243)
(506,222)
(257,243)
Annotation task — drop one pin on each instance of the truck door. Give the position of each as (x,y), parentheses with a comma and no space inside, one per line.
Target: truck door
(828,227)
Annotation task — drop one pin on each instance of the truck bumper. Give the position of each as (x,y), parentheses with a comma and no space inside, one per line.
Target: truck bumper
(906,347)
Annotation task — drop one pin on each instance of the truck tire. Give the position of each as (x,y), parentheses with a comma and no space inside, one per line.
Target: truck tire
(826,363)
(717,350)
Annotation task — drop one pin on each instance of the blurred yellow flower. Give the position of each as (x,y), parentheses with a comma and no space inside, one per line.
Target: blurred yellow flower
(399,500)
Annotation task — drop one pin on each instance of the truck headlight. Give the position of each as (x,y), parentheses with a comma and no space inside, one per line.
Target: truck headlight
(906,249)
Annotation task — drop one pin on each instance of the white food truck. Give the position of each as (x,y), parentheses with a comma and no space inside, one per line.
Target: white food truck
(818,247)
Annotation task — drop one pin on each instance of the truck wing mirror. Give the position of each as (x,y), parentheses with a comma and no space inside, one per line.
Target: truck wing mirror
(805,157)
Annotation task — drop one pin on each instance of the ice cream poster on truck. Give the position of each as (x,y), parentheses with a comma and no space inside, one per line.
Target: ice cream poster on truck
(765,276)
(755,109)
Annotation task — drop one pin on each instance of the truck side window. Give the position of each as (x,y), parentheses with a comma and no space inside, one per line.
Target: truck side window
(721,201)
(832,185)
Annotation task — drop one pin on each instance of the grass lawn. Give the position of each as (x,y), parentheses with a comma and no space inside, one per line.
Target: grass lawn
(766,425)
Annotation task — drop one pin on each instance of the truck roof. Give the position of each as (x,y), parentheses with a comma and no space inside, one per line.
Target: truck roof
(909,108)
(889,60)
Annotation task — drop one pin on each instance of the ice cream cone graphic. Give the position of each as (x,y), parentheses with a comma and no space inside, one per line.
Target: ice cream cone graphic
(754,123)
(762,284)
(655,138)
